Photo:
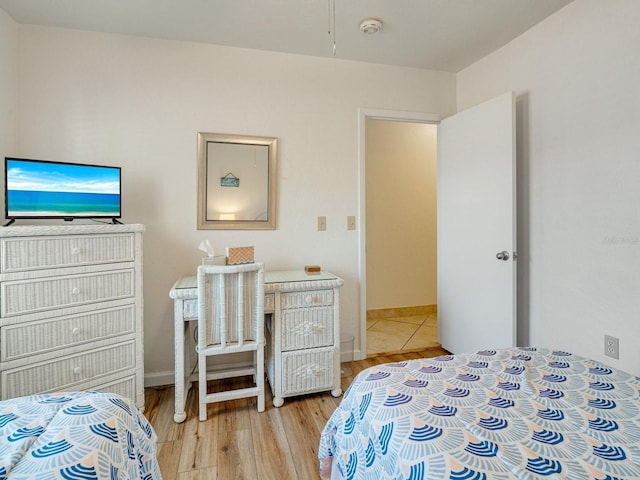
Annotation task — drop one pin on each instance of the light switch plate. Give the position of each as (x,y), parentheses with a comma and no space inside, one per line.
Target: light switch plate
(351,222)
(322,223)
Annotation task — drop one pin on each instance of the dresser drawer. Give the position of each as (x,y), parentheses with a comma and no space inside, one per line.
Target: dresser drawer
(29,296)
(307,328)
(67,372)
(31,338)
(311,298)
(307,370)
(123,386)
(22,254)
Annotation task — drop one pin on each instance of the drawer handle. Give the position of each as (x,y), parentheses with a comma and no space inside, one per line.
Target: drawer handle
(76,331)
(75,250)
(315,371)
(75,291)
(77,370)
(311,299)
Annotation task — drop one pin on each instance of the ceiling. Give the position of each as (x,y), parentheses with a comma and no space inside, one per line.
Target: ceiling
(444,35)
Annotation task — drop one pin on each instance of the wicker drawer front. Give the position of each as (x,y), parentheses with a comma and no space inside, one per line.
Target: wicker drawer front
(23,297)
(32,338)
(21,254)
(308,370)
(269,302)
(125,387)
(66,372)
(190,309)
(307,328)
(314,298)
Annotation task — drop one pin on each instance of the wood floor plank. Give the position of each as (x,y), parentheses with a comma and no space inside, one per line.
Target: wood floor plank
(236,456)
(201,474)
(232,413)
(200,440)
(159,409)
(168,458)
(320,407)
(302,435)
(270,444)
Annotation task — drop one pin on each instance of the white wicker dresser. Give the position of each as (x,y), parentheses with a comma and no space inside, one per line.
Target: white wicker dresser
(71,310)
(302,334)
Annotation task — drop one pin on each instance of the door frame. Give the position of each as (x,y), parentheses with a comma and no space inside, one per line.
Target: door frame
(363,115)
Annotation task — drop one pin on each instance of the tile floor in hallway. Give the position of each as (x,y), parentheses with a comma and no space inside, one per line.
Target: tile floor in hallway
(401,333)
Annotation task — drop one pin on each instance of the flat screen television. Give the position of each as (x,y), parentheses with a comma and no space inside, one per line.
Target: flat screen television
(46,189)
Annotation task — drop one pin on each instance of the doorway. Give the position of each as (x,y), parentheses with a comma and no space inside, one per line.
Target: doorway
(398,236)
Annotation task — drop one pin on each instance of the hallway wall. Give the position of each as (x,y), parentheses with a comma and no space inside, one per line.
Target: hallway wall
(401,213)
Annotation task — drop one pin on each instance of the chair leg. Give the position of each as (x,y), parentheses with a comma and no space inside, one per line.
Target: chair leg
(259,357)
(202,387)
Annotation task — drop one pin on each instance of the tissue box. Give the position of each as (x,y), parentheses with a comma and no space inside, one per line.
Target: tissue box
(239,255)
(215,260)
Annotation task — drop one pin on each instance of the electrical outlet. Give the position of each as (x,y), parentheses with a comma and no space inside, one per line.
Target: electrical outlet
(322,223)
(611,347)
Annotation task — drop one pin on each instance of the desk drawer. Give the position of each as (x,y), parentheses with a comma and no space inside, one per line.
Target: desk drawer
(29,296)
(311,298)
(269,302)
(22,254)
(190,306)
(190,309)
(67,372)
(31,338)
(307,328)
(307,371)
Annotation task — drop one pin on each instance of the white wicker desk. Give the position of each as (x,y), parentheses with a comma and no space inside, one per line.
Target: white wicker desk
(302,334)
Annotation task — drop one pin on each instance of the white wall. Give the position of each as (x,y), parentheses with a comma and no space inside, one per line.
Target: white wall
(139,103)
(577,80)
(8,86)
(401,214)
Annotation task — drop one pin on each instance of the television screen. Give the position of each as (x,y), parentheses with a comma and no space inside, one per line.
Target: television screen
(45,189)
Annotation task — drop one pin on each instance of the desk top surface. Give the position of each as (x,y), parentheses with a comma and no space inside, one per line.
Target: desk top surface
(270,277)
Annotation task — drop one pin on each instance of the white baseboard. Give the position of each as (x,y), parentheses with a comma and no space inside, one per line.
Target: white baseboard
(159,379)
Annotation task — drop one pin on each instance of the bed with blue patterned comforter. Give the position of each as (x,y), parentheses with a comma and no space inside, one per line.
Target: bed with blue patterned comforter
(520,413)
(76,435)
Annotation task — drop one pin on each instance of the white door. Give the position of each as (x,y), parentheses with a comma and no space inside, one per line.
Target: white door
(477,228)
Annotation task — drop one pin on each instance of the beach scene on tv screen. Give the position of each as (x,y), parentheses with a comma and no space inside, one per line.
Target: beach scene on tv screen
(40,189)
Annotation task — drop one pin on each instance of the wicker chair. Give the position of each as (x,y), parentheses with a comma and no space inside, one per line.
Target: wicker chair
(230,320)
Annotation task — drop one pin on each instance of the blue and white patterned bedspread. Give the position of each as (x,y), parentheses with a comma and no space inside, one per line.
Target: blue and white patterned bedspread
(76,435)
(505,414)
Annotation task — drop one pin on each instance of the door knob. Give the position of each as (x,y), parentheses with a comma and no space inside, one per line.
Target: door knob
(503,255)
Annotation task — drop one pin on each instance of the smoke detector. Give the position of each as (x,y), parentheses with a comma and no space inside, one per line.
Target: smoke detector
(371,25)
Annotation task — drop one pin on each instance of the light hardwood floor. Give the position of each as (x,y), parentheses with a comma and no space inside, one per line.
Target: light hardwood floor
(237,442)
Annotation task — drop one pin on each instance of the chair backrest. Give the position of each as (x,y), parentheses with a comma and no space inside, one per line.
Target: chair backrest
(230,304)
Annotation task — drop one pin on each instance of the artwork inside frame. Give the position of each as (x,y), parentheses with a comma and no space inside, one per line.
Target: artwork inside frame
(226,202)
